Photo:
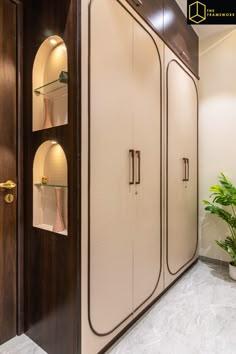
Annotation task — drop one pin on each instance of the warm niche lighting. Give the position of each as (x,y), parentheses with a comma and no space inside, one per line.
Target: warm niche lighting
(53,41)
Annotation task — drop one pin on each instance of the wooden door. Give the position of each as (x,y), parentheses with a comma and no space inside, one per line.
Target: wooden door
(7,169)
(147,108)
(111,197)
(182,164)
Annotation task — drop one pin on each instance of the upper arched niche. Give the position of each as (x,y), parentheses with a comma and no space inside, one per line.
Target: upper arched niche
(50,84)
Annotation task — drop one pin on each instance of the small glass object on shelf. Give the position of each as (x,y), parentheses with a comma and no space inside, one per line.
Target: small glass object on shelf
(53,86)
(44,180)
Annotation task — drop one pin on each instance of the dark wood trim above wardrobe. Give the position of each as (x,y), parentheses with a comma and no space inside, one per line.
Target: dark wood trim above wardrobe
(172,29)
(151,11)
(181,37)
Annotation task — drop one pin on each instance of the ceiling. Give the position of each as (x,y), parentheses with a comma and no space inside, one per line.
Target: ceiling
(204,31)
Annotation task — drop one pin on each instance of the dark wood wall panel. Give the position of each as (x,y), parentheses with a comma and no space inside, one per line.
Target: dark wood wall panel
(8,170)
(51,263)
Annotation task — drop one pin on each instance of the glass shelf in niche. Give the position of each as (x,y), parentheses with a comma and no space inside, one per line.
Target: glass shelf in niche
(50,228)
(50,188)
(49,185)
(55,86)
(50,81)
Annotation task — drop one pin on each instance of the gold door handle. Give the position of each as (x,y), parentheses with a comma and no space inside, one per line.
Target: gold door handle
(8,185)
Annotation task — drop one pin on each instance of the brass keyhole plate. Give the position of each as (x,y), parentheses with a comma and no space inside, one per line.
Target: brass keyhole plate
(9,198)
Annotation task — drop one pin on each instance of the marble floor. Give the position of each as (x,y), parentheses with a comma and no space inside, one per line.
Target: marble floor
(20,345)
(196,316)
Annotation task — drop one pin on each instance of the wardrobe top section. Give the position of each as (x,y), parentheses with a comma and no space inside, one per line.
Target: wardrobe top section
(169,22)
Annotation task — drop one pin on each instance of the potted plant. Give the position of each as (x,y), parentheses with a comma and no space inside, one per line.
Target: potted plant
(223,205)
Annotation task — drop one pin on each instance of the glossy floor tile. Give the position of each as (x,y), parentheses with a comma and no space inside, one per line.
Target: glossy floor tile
(197,316)
(20,345)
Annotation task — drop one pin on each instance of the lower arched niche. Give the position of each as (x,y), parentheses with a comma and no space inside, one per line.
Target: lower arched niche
(50,188)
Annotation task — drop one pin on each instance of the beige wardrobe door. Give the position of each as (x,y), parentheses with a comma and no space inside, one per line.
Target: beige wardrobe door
(111,136)
(182,133)
(147,142)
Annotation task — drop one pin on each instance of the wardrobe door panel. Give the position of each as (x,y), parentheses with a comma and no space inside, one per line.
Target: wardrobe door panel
(111,137)
(182,127)
(147,142)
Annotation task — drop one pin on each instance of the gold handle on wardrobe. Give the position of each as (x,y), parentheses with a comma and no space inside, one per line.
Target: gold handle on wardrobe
(186,169)
(138,155)
(131,157)
(8,185)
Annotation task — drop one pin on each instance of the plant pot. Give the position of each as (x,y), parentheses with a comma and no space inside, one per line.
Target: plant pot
(232,271)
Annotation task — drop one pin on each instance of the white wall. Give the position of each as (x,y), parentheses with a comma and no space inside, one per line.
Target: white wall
(217,129)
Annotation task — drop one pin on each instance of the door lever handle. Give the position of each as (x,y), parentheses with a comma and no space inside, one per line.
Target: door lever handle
(8,185)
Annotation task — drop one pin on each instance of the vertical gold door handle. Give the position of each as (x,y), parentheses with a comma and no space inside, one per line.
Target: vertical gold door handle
(138,155)
(131,156)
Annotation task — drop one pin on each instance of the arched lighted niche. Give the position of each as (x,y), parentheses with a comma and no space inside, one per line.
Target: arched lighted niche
(50,188)
(50,85)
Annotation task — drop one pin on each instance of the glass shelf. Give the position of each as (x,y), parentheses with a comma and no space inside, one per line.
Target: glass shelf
(49,185)
(53,86)
(50,228)
(50,199)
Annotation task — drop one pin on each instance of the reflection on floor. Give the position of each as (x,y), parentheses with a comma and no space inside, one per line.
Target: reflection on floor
(20,345)
(196,316)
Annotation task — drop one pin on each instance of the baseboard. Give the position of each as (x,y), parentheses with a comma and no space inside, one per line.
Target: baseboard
(213,260)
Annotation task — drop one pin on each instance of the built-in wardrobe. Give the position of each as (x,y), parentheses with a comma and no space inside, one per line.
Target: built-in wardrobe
(111,121)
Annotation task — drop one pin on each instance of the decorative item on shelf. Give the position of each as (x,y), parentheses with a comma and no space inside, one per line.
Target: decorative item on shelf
(225,195)
(59,225)
(44,180)
(63,77)
(47,119)
(53,86)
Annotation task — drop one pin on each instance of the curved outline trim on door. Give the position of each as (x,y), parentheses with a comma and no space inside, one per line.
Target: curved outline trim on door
(89,174)
(167,161)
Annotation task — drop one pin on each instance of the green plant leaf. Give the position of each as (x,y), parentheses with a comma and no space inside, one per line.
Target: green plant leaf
(223,214)
(229,246)
(224,195)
